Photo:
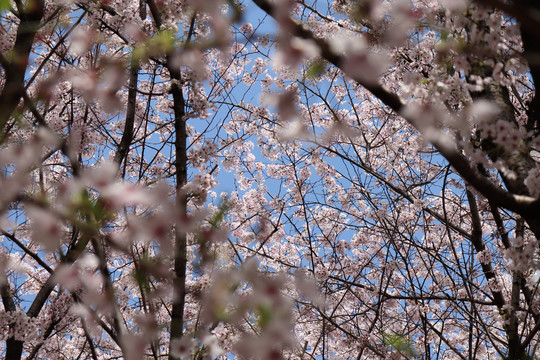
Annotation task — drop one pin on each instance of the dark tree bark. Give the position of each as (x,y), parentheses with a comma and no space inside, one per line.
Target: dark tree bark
(15,67)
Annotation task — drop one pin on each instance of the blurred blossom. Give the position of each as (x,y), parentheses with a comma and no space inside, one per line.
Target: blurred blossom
(82,39)
(454,5)
(307,287)
(135,346)
(360,61)
(101,175)
(483,111)
(183,347)
(403,19)
(294,51)
(212,343)
(68,276)
(120,194)
(47,229)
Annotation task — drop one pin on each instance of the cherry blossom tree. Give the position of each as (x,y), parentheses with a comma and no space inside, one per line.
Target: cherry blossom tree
(361,181)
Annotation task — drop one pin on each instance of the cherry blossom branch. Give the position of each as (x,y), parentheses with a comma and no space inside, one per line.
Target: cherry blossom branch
(398,190)
(476,240)
(180,245)
(443,338)
(414,296)
(503,235)
(521,204)
(345,331)
(26,250)
(13,347)
(127,136)
(89,339)
(118,321)
(53,50)
(511,331)
(526,14)
(531,53)
(530,336)
(45,336)
(29,103)
(30,15)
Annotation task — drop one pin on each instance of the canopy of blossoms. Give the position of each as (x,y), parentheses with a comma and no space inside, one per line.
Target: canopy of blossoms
(269,179)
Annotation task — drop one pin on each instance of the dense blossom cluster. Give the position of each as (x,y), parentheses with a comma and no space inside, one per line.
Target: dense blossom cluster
(19,326)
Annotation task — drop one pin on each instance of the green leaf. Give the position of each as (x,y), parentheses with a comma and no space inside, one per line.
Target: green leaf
(400,343)
(162,42)
(138,54)
(218,217)
(444,35)
(93,212)
(264,315)
(315,70)
(140,276)
(5,5)
(220,312)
